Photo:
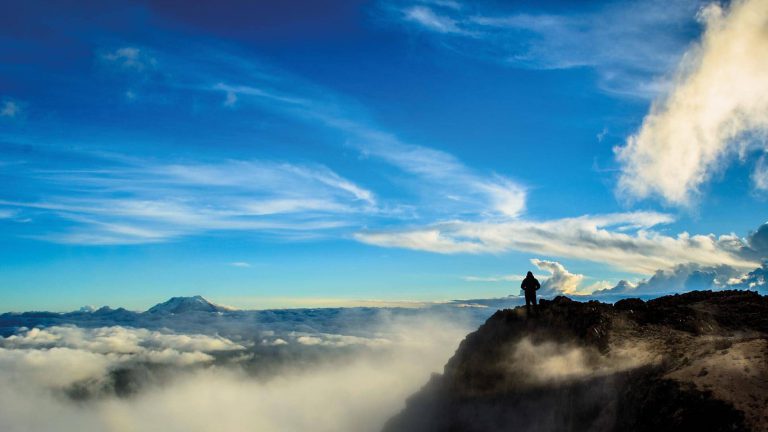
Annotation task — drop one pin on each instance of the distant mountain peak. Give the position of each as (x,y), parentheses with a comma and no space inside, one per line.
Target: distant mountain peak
(198,303)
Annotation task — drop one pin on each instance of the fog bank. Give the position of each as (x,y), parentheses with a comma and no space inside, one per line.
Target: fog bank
(204,383)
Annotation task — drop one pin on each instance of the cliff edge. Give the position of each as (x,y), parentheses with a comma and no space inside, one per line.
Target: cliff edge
(691,361)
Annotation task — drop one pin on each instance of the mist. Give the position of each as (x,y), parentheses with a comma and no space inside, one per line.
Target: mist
(124,379)
(552,362)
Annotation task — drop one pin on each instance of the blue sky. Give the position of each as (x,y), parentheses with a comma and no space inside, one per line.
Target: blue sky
(316,153)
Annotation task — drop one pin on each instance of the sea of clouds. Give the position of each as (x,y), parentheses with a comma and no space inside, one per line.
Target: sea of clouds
(66,377)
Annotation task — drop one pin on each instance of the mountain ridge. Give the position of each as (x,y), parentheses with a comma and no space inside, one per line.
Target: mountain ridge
(681,362)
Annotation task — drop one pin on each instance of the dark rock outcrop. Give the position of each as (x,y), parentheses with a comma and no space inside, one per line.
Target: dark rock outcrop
(695,361)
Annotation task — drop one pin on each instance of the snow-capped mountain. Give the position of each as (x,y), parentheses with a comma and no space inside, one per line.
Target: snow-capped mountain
(177,305)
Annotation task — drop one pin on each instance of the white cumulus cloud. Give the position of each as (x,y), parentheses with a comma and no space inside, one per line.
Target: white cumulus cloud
(716,111)
(560,280)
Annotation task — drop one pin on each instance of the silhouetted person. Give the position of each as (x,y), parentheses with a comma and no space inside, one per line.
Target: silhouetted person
(530,285)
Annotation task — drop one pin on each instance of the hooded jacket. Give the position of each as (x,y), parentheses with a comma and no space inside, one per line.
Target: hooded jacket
(530,283)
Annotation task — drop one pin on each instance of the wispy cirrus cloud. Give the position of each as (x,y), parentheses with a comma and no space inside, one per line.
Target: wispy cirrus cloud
(456,208)
(426,17)
(450,185)
(146,202)
(125,201)
(475,213)
(503,278)
(443,182)
(632,45)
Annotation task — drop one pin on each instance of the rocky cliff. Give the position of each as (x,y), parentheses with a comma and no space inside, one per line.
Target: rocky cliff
(695,361)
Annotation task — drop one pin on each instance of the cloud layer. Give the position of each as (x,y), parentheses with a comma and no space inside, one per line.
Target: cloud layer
(697,276)
(623,240)
(682,277)
(43,374)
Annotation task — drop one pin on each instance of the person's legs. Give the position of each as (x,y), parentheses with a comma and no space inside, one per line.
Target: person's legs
(528,302)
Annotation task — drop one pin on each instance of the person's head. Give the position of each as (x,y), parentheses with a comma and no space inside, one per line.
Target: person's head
(529,275)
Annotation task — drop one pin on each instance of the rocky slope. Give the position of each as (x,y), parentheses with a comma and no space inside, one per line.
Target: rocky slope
(696,361)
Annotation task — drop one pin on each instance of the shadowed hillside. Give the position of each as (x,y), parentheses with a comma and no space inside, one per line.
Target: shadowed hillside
(696,360)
